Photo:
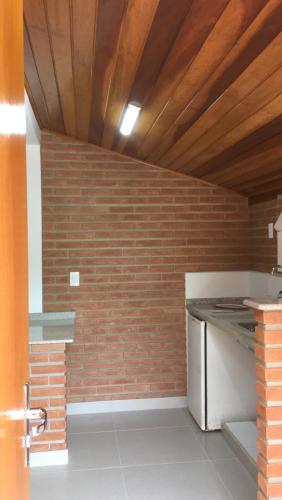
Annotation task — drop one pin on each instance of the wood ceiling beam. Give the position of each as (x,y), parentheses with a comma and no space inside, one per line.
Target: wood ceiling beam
(207,76)
(83,29)
(228,131)
(242,149)
(37,28)
(245,170)
(269,166)
(260,197)
(261,179)
(33,85)
(243,129)
(265,160)
(134,33)
(58,18)
(109,20)
(33,105)
(164,30)
(265,187)
(194,139)
(196,27)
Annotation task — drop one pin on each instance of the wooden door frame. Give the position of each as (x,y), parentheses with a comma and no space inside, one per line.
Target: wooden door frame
(13,255)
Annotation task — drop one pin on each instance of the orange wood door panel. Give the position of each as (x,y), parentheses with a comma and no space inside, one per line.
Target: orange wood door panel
(13,254)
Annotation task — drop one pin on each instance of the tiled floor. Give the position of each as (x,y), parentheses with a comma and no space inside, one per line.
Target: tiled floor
(148,455)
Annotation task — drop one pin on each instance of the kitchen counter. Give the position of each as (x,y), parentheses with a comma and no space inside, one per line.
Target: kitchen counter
(51,328)
(227,321)
(264,303)
(49,334)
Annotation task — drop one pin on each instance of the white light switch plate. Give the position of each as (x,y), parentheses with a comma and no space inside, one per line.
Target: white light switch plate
(74,278)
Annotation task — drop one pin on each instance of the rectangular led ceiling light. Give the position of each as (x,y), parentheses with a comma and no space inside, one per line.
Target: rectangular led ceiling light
(129,119)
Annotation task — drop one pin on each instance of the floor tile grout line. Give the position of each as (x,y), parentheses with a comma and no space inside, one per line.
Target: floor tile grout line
(121,468)
(133,429)
(206,453)
(226,459)
(117,446)
(201,445)
(155,428)
(117,467)
(221,481)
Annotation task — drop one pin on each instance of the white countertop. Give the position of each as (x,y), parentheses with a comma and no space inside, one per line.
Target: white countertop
(51,328)
(264,303)
(228,321)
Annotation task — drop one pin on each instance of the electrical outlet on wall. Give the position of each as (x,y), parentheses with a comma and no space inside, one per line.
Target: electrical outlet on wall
(74,278)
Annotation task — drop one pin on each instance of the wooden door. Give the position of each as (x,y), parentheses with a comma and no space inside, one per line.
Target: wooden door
(13,255)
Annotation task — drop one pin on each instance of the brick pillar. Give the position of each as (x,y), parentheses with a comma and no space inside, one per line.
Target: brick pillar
(47,366)
(269,404)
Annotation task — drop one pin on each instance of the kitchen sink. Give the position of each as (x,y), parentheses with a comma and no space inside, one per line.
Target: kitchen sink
(231,307)
(227,311)
(248,325)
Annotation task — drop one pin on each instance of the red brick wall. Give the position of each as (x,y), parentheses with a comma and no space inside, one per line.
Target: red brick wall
(47,370)
(269,404)
(132,230)
(263,249)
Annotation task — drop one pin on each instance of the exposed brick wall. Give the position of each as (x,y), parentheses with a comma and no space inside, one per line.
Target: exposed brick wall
(132,230)
(47,369)
(263,249)
(269,405)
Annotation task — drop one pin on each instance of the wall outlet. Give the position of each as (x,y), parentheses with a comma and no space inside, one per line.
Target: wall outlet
(270,230)
(74,278)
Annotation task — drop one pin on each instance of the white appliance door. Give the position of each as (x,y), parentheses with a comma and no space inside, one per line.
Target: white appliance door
(196,369)
(231,378)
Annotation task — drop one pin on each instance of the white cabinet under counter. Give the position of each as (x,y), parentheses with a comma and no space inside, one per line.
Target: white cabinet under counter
(231,390)
(221,371)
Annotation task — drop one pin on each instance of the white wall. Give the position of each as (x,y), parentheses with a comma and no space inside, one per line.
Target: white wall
(217,284)
(264,284)
(32,128)
(231,284)
(33,168)
(34,211)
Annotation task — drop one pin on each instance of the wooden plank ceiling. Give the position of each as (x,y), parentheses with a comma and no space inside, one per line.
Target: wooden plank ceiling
(207,75)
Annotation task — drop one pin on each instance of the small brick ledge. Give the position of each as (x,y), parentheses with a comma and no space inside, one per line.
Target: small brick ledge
(47,378)
(269,404)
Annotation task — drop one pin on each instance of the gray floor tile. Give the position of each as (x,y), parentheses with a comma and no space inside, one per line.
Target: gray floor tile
(90,423)
(156,446)
(151,419)
(193,481)
(236,479)
(78,485)
(93,450)
(214,444)
(161,455)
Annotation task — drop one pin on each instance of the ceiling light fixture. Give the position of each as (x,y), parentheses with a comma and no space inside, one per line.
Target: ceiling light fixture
(129,119)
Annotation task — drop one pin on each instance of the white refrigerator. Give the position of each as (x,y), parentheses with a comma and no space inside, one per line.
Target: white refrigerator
(221,375)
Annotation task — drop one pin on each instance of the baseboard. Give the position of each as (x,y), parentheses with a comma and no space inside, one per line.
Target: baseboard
(245,450)
(44,458)
(126,405)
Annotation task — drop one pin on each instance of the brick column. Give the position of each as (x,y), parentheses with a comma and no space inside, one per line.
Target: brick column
(269,404)
(47,365)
